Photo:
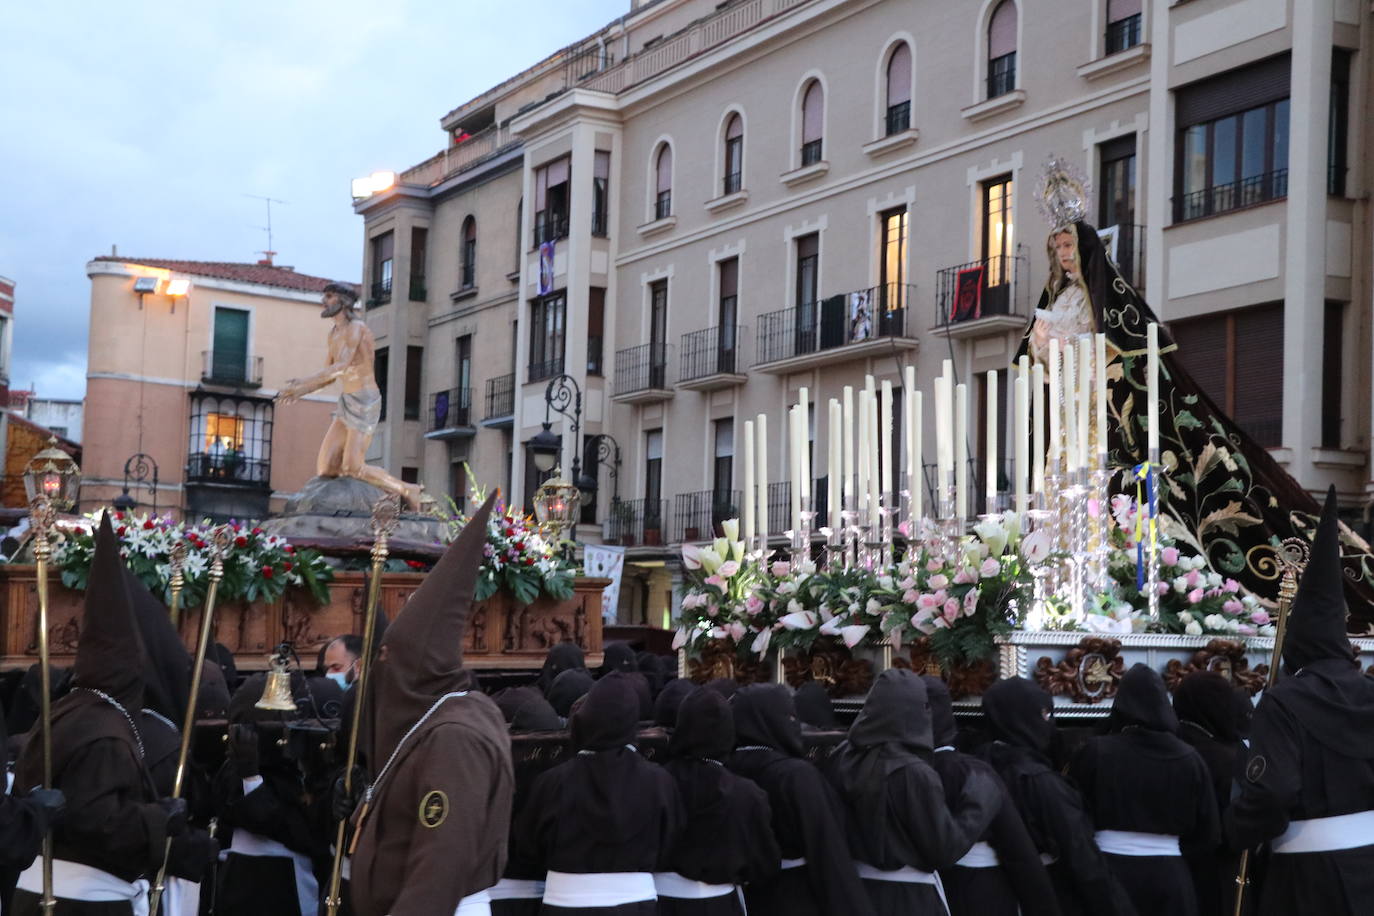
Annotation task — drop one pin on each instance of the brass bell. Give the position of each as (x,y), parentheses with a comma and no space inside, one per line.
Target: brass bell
(276,693)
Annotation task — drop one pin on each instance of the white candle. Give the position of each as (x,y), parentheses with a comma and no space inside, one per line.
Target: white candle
(1070,425)
(1100,364)
(886,443)
(991,495)
(747,498)
(804,408)
(961,450)
(833,465)
(874,474)
(795,466)
(917,477)
(847,437)
(1152,387)
(1038,428)
(1022,443)
(1056,395)
(1085,396)
(944,440)
(861,470)
(761,426)
(909,428)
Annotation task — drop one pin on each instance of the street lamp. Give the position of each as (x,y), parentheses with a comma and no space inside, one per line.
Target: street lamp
(565,397)
(544,447)
(556,504)
(606,447)
(53,475)
(140,469)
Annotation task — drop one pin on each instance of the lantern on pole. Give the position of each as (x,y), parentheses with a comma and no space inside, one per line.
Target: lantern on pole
(53,475)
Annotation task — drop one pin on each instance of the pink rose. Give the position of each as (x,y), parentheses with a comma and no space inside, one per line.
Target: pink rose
(934,565)
(1233,607)
(736,631)
(1163,588)
(964,576)
(1194,578)
(717,581)
(926,602)
(712,610)
(904,528)
(952,610)
(1169,556)
(753,605)
(938,581)
(1195,596)
(939,596)
(1246,630)
(781,568)
(907,583)
(990,568)
(728,568)
(1230,585)
(921,620)
(1260,617)
(909,596)
(971,602)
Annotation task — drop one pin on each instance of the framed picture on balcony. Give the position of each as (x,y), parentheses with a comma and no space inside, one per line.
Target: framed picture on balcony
(441,410)
(860,315)
(546,267)
(968,294)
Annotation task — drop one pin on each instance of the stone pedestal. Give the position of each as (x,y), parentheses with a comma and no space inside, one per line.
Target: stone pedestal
(334,515)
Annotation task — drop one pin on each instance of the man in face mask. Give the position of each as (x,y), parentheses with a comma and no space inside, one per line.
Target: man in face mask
(339,661)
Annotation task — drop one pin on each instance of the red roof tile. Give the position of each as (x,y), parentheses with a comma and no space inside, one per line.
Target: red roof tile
(283,277)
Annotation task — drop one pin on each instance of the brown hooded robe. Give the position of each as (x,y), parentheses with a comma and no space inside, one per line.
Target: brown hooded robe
(434,829)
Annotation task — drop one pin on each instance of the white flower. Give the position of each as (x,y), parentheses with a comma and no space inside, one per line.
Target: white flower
(994,534)
(710,559)
(852,635)
(731,528)
(1036,546)
(799,620)
(1214,622)
(1186,616)
(1193,629)
(1214,580)
(794,606)
(680,639)
(761,642)
(873,606)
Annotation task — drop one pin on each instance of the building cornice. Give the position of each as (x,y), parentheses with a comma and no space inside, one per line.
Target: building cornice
(200,281)
(575,103)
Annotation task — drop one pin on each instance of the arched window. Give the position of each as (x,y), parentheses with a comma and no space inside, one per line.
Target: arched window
(663,183)
(469,258)
(734,154)
(1002,49)
(899,89)
(813,116)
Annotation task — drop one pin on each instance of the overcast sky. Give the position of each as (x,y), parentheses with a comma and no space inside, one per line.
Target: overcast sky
(144,124)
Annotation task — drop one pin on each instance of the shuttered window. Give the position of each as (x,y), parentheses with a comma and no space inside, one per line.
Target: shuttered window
(899,89)
(663,182)
(229,358)
(415,361)
(1237,359)
(1332,371)
(813,117)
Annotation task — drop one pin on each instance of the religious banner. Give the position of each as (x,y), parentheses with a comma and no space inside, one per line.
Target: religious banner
(860,315)
(609,563)
(546,251)
(968,295)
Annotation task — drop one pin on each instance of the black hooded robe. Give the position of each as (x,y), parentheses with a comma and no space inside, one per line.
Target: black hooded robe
(818,876)
(1312,756)
(1019,715)
(114,823)
(433,833)
(1018,881)
(898,816)
(727,838)
(1142,779)
(605,811)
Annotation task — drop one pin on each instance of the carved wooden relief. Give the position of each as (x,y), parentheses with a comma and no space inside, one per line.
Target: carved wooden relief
(831,665)
(1223,656)
(1089,673)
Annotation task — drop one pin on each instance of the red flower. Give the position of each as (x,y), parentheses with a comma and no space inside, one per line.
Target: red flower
(119,516)
(257,531)
(415,564)
(519,545)
(286,567)
(529,561)
(267,572)
(120,531)
(241,541)
(148,525)
(289,549)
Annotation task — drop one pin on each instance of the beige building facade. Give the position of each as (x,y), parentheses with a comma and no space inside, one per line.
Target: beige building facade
(720,205)
(184,361)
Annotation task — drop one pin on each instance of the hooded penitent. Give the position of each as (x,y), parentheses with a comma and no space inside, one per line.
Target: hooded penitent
(1142,701)
(1316,622)
(423,647)
(526,710)
(566,656)
(167,674)
(109,654)
(1020,713)
(568,688)
(814,706)
(944,731)
(1206,700)
(670,700)
(766,717)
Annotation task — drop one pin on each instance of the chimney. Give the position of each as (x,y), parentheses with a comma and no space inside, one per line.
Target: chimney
(266,259)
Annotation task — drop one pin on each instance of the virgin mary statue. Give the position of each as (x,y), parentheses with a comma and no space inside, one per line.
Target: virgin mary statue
(1219,490)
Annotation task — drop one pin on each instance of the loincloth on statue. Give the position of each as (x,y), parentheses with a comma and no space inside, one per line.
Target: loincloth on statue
(360,410)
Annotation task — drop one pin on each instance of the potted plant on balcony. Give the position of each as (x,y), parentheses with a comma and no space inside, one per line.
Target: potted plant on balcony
(622,520)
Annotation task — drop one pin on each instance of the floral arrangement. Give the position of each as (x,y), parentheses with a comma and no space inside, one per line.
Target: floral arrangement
(257,566)
(518,557)
(719,593)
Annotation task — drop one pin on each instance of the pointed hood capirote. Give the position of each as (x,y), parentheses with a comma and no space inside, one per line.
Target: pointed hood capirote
(109,652)
(167,669)
(1316,622)
(422,649)
(1142,701)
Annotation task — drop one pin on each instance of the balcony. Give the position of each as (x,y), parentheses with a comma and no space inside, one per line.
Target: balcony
(500,401)
(418,293)
(450,414)
(380,294)
(544,369)
(898,118)
(697,516)
(712,358)
(230,369)
(1223,198)
(550,226)
(837,329)
(459,157)
(635,523)
(982,297)
(228,466)
(641,374)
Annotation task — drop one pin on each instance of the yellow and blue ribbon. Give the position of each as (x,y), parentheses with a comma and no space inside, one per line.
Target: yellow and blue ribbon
(1148,507)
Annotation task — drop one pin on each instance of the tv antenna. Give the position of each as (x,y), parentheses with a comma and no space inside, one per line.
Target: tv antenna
(268,228)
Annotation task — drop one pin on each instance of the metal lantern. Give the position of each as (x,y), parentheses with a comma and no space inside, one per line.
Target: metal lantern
(54,475)
(556,504)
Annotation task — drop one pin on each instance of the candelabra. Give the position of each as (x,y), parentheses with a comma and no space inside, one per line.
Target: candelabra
(1077,496)
(1152,553)
(1101,546)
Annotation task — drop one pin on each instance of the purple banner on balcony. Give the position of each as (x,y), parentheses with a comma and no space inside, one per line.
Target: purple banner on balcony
(546,267)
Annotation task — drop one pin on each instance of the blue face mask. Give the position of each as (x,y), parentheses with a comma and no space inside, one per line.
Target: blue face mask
(340,678)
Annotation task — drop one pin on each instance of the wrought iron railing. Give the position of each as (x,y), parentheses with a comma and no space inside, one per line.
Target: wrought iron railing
(663,205)
(1123,34)
(595,363)
(220,367)
(733,182)
(545,369)
(459,157)
(1224,197)
(811,152)
(381,294)
(697,516)
(1001,75)
(642,368)
(837,321)
(898,118)
(1130,254)
(451,409)
(500,397)
(549,226)
(636,522)
(711,351)
(418,292)
(229,467)
(981,289)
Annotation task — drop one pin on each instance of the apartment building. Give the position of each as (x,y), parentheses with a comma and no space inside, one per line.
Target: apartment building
(184,360)
(702,208)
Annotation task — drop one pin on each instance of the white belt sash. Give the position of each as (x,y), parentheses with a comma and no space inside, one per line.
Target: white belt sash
(904,875)
(247,843)
(1133,843)
(180,897)
(75,881)
(517,889)
(478,904)
(597,889)
(1327,834)
(672,884)
(793,863)
(980,855)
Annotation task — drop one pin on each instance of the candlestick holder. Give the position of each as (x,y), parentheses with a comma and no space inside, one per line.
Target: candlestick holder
(951,527)
(1079,553)
(1033,522)
(1099,480)
(850,537)
(887,513)
(834,547)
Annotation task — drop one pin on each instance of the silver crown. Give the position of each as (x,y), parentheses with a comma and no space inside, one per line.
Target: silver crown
(1062,193)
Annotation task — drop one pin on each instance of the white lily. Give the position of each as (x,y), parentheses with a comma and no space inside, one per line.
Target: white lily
(731,528)
(854,634)
(799,620)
